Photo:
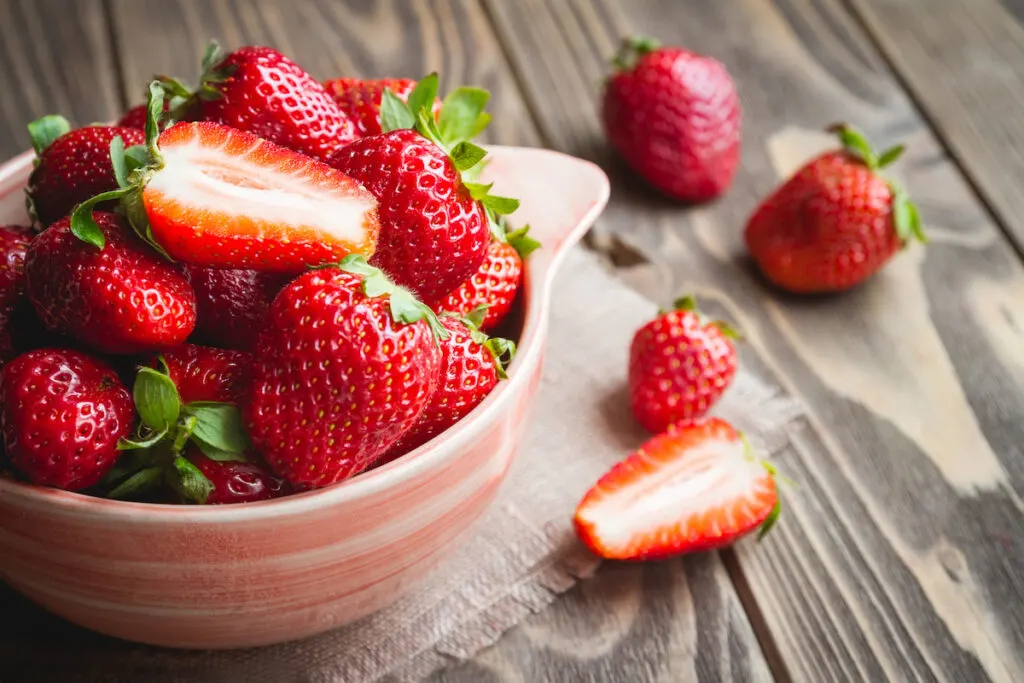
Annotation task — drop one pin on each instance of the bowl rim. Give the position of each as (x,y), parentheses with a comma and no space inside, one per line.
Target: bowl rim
(538,277)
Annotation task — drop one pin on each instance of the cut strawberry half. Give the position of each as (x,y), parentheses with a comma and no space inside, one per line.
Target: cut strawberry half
(215,196)
(695,487)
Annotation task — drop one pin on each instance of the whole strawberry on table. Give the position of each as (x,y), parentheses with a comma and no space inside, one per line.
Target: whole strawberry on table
(236,294)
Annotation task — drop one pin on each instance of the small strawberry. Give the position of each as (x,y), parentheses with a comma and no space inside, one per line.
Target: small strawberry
(435,225)
(237,482)
(210,195)
(675,118)
(122,298)
(679,366)
(63,415)
(232,304)
(203,373)
(134,118)
(360,99)
(259,90)
(835,223)
(497,281)
(696,487)
(471,366)
(344,366)
(71,165)
(13,244)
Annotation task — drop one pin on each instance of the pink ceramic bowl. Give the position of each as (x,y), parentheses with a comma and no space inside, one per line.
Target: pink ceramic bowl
(268,572)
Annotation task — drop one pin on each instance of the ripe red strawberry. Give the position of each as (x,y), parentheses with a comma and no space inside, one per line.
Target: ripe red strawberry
(134,118)
(232,304)
(471,366)
(360,99)
(72,165)
(497,281)
(63,415)
(203,373)
(675,118)
(210,195)
(123,298)
(259,90)
(346,363)
(835,223)
(237,482)
(13,244)
(435,226)
(679,366)
(695,487)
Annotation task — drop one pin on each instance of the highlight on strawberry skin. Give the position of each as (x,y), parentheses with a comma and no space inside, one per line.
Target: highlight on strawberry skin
(698,486)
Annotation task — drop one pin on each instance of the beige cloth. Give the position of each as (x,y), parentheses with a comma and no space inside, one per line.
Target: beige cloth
(524,553)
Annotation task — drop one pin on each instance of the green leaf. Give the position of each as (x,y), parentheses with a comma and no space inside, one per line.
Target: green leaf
(915,223)
(212,56)
(522,242)
(141,442)
(140,482)
(475,318)
(84,227)
(477,190)
(43,131)
(394,113)
(422,96)
(154,112)
(770,520)
(631,48)
(466,155)
(500,205)
(156,399)
(460,114)
(890,155)
(503,350)
(219,455)
(135,157)
(175,88)
(855,143)
(685,303)
(189,481)
(406,308)
(118,161)
(219,425)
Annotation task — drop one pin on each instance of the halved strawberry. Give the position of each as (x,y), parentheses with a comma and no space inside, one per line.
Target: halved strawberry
(695,487)
(212,195)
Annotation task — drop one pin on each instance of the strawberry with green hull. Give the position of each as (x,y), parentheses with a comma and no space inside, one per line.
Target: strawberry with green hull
(835,222)
(675,117)
(471,367)
(261,91)
(344,366)
(64,413)
(209,195)
(71,165)
(497,281)
(232,304)
(121,298)
(360,99)
(680,364)
(435,224)
(696,487)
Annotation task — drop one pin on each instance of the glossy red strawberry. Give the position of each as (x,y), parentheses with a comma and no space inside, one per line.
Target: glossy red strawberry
(675,118)
(835,223)
(471,366)
(680,364)
(232,304)
(203,373)
(63,415)
(435,226)
(360,99)
(346,363)
(695,487)
(123,298)
(237,482)
(134,118)
(497,281)
(263,92)
(14,242)
(73,165)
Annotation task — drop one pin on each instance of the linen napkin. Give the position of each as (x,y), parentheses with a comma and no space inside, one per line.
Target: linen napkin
(523,553)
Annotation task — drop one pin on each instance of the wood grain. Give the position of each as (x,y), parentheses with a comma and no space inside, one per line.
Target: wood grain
(55,58)
(895,562)
(965,66)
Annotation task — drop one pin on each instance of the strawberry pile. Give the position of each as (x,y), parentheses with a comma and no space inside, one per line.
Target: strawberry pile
(261,285)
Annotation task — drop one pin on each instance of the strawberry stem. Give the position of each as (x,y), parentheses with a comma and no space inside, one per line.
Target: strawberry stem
(631,49)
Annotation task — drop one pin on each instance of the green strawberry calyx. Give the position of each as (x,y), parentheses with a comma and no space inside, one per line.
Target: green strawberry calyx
(404,306)
(631,49)
(182,98)
(461,118)
(773,515)
(905,216)
(519,239)
(688,303)
(43,131)
(502,350)
(154,454)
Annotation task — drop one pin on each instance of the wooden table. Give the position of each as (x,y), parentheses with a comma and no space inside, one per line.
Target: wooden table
(901,554)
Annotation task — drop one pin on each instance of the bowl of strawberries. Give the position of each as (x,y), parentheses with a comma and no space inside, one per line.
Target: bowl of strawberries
(268,347)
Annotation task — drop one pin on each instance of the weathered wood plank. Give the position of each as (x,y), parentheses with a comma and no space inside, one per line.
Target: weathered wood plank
(55,58)
(676,621)
(895,562)
(965,65)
